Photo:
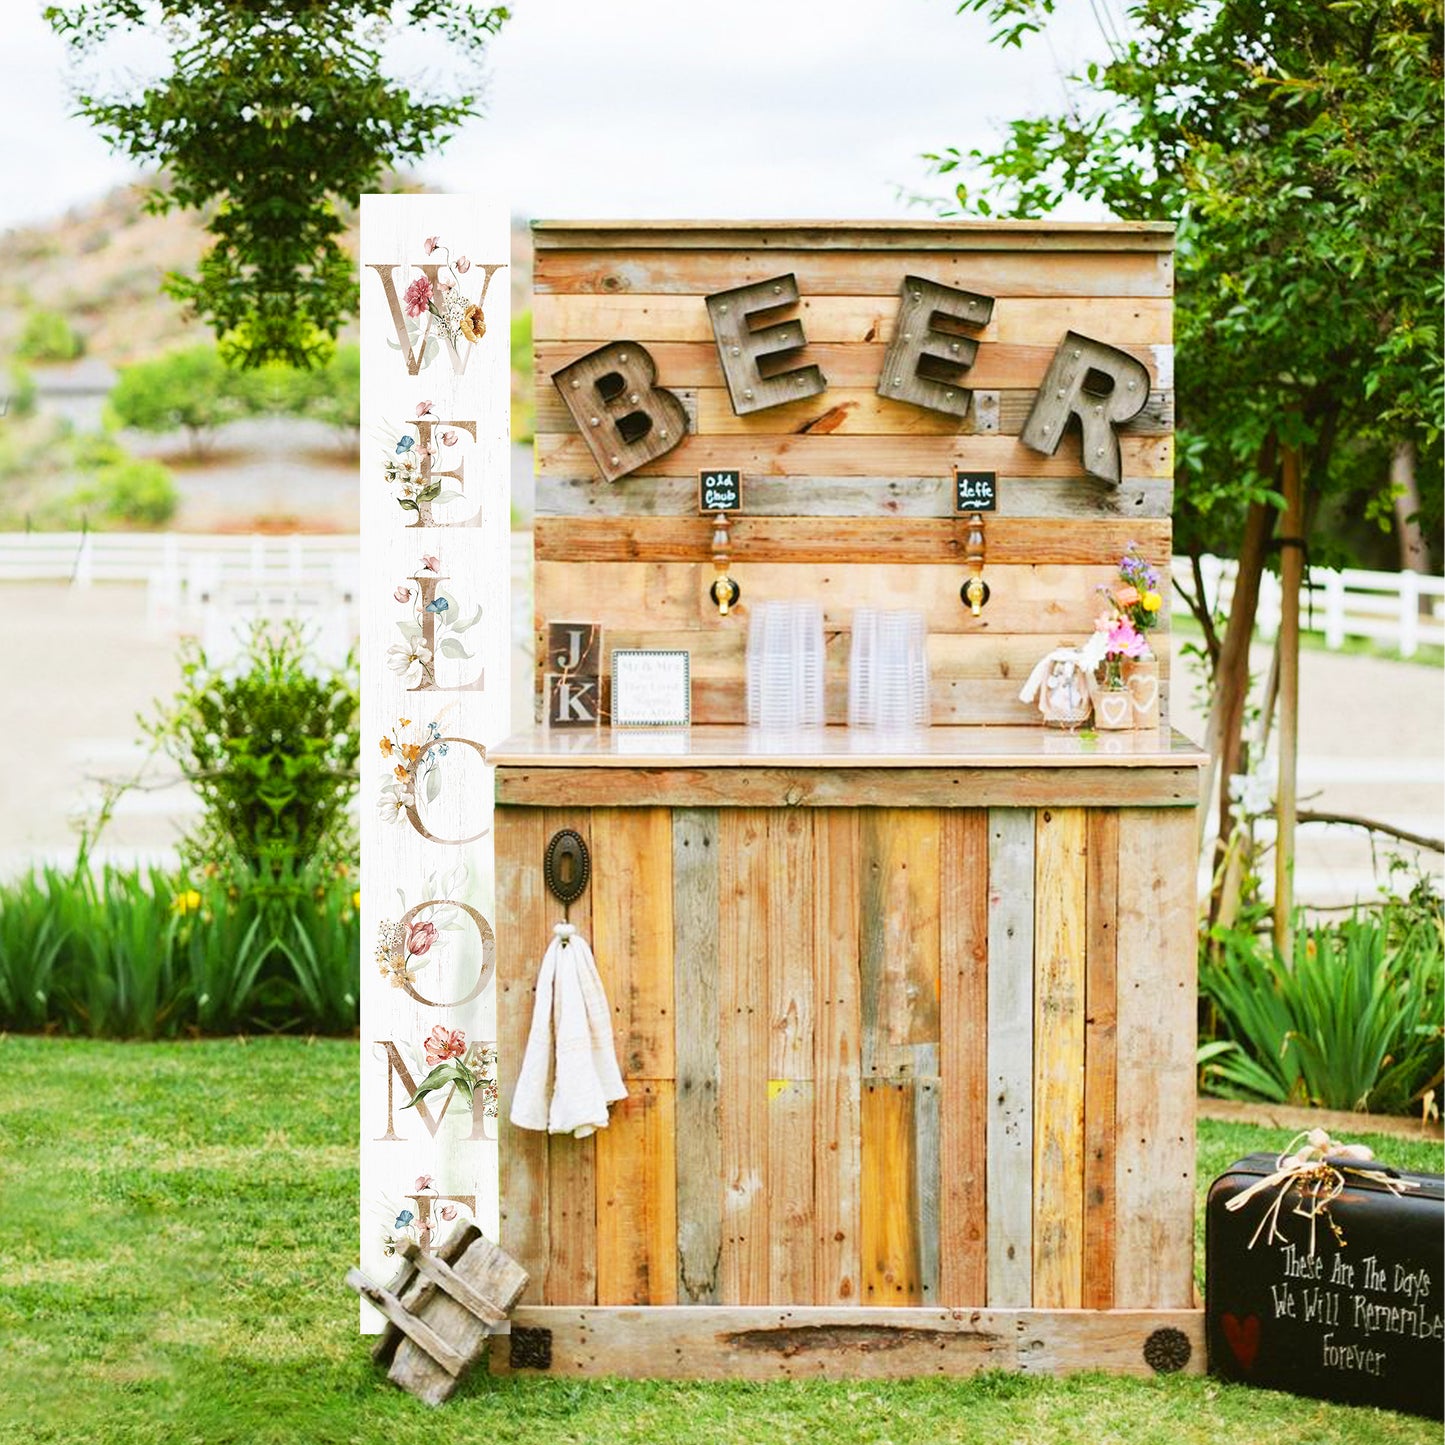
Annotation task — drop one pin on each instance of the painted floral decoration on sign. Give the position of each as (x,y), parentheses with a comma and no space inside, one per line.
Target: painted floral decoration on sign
(407,1226)
(414,760)
(407,464)
(402,945)
(473,1069)
(411,659)
(460,319)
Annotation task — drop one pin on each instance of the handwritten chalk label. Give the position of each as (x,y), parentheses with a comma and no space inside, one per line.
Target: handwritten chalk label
(975,491)
(720,490)
(651,688)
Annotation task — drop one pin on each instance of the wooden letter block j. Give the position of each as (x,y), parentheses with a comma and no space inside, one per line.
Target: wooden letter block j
(624,417)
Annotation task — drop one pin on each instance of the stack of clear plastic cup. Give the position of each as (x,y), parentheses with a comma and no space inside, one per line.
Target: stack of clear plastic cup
(888,670)
(785,665)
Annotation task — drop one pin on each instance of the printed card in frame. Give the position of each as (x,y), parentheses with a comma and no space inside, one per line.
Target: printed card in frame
(651,688)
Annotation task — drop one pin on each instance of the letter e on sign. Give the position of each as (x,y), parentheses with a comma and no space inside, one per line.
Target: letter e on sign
(931,354)
(754,361)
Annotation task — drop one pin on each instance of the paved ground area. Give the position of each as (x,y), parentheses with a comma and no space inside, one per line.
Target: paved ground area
(82,664)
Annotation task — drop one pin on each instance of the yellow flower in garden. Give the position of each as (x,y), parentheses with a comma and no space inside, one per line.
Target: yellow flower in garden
(356,899)
(186,902)
(1152,602)
(474,323)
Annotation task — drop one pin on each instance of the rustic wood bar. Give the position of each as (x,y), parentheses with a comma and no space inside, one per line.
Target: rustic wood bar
(908,1037)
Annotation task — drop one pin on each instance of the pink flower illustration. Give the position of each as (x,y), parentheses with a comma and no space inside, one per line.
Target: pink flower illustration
(449,438)
(432,564)
(420,937)
(462,266)
(418,297)
(443,1043)
(430,244)
(402,594)
(423,407)
(448,1212)
(423,1183)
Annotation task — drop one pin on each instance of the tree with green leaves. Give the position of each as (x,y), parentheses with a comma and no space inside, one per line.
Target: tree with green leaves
(275,115)
(1297,146)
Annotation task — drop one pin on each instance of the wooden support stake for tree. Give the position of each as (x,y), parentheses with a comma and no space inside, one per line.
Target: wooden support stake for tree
(1291,575)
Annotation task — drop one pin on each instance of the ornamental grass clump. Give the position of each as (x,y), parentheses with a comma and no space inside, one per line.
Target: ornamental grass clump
(1351,1020)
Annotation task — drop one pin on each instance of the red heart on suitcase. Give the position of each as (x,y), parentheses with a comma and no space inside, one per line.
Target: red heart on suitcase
(1242,1337)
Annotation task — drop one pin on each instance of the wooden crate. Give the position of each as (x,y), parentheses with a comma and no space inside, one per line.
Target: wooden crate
(847,496)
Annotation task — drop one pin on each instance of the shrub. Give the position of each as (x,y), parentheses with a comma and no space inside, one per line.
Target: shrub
(329,394)
(191,389)
(1352,1020)
(138,492)
(48,336)
(271,747)
(19,396)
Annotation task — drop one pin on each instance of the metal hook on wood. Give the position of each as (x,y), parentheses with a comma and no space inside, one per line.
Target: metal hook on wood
(567,867)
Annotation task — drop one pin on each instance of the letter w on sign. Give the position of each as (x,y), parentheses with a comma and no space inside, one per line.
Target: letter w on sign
(415,355)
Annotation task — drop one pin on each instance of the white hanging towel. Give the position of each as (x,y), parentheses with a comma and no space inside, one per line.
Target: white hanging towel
(569,1073)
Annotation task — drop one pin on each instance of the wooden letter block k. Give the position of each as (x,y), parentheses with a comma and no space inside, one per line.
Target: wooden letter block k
(624,417)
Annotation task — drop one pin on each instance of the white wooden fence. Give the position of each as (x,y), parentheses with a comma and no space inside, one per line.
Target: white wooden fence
(1402,610)
(211,587)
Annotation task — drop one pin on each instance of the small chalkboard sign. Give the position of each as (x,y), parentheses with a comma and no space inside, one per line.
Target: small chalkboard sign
(975,491)
(720,489)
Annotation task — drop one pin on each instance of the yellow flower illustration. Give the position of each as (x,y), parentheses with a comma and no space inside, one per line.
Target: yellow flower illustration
(474,323)
(386,747)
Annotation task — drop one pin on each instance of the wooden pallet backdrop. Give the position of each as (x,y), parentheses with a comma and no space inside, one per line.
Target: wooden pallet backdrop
(847,496)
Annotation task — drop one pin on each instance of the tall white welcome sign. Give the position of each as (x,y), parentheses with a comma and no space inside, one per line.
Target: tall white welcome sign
(435,517)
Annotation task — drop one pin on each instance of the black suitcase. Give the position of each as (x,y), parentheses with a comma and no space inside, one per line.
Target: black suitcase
(1361,1320)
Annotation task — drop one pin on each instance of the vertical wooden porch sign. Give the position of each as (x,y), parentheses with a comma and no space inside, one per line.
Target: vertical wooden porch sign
(435,556)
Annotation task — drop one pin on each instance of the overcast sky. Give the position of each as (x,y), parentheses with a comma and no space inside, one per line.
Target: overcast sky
(647,108)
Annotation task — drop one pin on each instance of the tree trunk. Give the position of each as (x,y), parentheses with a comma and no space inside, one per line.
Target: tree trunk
(1414,552)
(1291,569)
(1231,674)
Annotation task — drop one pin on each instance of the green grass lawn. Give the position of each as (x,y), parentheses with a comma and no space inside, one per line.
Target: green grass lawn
(180,1216)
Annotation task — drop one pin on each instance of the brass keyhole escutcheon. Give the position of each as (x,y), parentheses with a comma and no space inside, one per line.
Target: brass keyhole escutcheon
(567,866)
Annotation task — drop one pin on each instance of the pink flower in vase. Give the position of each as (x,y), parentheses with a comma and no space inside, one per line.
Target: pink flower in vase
(1125,640)
(420,937)
(418,298)
(443,1044)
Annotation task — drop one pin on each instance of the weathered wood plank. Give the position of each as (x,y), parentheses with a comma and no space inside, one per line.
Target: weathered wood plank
(1010,1055)
(571,1163)
(829,496)
(1059,932)
(669,596)
(899,942)
(1009,541)
(856,787)
(1099,1057)
(995,272)
(743,892)
(888,1193)
(836,1044)
(851,411)
(522,1153)
(789,1191)
(881,237)
(1154,1168)
(999,367)
(1016,320)
(790,1006)
(927,1186)
(689,1343)
(633,933)
(864,456)
(637,1198)
(695,836)
(963,1057)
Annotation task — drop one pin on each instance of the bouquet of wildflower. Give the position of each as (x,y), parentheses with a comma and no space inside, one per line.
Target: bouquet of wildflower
(460,319)
(472,1069)
(1132,606)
